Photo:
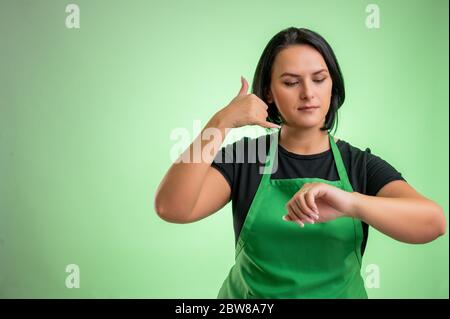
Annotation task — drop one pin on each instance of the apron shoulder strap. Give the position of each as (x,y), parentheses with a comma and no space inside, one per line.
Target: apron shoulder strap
(340,165)
(271,157)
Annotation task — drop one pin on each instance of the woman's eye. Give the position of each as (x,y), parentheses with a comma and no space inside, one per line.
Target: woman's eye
(295,83)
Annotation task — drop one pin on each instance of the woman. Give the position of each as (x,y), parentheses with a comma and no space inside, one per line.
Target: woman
(301,223)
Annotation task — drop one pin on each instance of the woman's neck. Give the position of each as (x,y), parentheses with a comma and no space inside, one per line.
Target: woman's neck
(303,141)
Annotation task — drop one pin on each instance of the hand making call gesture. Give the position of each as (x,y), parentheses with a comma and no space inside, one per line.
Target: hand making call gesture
(246,109)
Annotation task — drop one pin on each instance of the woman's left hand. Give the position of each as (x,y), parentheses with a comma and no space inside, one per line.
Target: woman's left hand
(319,202)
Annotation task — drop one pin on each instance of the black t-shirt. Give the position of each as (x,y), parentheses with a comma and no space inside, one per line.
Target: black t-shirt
(241,164)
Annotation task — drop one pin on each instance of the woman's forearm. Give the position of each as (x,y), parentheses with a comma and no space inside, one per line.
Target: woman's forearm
(410,220)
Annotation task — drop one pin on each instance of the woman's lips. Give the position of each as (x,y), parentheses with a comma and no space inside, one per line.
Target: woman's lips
(307,108)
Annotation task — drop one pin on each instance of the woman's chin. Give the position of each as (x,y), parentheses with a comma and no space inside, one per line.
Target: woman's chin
(306,125)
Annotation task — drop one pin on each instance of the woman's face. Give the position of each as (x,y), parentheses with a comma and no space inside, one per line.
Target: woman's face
(300,79)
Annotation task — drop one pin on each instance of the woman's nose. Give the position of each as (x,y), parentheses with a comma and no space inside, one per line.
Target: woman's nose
(306,93)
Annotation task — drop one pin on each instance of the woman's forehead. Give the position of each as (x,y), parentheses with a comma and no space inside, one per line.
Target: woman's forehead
(299,59)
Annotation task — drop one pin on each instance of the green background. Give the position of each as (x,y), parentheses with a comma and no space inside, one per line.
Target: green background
(86,116)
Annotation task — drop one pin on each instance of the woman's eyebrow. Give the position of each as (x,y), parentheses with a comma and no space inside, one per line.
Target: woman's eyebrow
(299,76)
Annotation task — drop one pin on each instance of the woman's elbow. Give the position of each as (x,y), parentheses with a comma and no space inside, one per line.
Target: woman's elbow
(433,228)
(441,225)
(159,208)
(169,213)
(436,225)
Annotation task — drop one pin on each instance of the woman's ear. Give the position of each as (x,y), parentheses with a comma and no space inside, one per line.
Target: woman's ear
(269,97)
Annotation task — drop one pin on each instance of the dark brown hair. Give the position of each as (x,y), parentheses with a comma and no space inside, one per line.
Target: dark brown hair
(293,36)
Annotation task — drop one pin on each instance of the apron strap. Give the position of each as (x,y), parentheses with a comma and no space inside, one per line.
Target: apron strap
(273,140)
(340,165)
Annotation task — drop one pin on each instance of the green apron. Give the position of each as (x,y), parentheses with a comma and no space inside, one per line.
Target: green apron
(275,258)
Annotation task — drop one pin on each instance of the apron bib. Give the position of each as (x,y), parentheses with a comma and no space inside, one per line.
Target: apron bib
(279,259)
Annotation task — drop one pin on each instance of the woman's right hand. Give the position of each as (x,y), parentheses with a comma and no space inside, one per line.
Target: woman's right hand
(245,109)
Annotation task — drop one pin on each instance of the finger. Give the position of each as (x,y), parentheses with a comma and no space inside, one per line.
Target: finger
(264,105)
(268,124)
(297,213)
(244,87)
(290,216)
(305,206)
(310,199)
(301,214)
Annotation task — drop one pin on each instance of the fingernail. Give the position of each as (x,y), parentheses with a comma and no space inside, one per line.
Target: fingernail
(284,217)
(316,216)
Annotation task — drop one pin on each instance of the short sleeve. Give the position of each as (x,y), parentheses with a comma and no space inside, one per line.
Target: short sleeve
(379,173)
(224,163)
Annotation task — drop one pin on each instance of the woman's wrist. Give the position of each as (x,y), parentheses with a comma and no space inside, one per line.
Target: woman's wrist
(220,121)
(355,210)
